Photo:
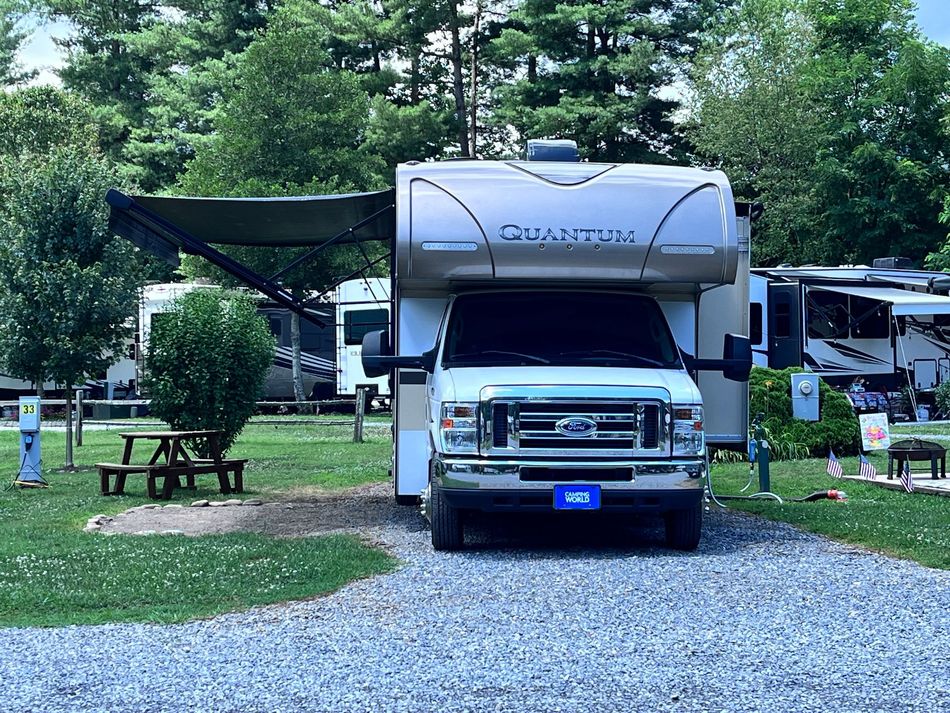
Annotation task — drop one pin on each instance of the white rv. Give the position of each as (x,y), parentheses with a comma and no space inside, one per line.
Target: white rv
(362,306)
(565,336)
(889,326)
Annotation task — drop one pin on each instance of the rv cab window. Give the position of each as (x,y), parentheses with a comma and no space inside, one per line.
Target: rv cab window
(558,329)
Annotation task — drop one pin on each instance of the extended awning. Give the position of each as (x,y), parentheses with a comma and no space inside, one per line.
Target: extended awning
(902,302)
(166,226)
(277,222)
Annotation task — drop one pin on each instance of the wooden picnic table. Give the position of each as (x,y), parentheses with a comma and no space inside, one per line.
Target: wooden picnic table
(170,461)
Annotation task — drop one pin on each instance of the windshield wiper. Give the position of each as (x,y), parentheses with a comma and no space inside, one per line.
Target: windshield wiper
(532,357)
(592,353)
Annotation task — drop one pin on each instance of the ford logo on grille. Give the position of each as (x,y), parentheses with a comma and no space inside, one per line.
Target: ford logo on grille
(576,427)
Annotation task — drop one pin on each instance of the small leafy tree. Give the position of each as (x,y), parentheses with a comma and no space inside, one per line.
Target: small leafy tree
(208,356)
(67,287)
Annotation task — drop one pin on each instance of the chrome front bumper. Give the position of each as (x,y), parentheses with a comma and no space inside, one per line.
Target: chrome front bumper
(646,476)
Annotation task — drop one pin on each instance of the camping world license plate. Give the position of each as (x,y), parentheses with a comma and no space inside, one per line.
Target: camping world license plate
(577,497)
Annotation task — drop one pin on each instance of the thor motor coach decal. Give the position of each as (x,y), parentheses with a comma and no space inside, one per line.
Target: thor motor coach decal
(583,235)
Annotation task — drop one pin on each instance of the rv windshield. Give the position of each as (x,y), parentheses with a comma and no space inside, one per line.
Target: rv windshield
(558,329)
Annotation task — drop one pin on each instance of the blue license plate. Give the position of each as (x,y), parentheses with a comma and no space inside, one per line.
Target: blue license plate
(577,497)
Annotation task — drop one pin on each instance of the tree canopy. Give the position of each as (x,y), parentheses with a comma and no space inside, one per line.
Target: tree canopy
(829,112)
(67,288)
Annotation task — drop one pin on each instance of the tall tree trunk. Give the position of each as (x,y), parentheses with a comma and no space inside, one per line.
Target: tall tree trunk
(414,78)
(458,84)
(473,100)
(299,394)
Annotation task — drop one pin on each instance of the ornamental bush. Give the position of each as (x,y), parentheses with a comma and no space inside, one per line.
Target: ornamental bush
(208,357)
(770,394)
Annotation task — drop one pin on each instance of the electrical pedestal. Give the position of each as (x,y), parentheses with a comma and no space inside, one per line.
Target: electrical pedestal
(30,453)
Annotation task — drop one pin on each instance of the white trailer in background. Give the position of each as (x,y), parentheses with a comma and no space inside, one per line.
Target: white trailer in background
(889,326)
(363,306)
(559,340)
(330,355)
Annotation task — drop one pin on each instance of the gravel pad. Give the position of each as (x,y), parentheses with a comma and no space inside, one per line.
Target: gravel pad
(538,615)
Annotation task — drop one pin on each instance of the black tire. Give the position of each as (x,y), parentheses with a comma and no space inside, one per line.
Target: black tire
(408,500)
(447,529)
(684,528)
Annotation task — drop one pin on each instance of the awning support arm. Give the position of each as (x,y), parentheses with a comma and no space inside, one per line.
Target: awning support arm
(337,283)
(310,254)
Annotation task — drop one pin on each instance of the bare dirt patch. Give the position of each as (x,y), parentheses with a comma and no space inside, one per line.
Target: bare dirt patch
(355,510)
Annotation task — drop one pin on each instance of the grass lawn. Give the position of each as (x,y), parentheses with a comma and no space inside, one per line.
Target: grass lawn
(907,430)
(913,526)
(53,574)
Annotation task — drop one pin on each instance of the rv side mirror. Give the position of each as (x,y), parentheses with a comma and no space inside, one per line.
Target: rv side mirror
(378,358)
(375,345)
(737,353)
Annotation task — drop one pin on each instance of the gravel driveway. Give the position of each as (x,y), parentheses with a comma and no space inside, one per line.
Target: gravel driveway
(536,618)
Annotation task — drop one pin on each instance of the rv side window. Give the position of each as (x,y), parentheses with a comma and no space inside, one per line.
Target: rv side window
(359,322)
(755,323)
(312,337)
(870,319)
(783,317)
(276,326)
(827,315)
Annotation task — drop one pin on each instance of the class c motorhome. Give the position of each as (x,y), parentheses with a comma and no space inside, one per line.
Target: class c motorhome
(566,336)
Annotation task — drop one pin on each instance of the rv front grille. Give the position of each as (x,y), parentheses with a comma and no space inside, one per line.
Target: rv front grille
(607,427)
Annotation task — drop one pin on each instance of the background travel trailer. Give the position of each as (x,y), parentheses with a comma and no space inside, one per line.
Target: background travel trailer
(330,359)
(889,326)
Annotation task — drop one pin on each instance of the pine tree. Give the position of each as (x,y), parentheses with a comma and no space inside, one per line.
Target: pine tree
(595,71)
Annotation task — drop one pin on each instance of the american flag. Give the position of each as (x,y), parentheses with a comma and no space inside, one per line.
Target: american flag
(834,467)
(906,479)
(866,470)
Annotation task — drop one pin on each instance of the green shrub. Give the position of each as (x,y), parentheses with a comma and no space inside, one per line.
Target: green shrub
(208,356)
(942,397)
(770,394)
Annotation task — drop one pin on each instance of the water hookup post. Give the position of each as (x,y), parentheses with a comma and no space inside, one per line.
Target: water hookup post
(762,453)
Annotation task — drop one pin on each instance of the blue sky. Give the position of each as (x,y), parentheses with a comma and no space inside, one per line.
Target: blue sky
(933,16)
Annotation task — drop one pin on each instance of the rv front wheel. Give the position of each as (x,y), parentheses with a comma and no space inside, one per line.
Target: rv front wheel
(446,521)
(684,528)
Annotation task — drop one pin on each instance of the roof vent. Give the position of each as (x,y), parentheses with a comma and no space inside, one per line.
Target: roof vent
(892,263)
(553,150)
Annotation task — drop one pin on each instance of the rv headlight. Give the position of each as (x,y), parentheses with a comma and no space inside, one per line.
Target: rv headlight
(458,428)
(689,437)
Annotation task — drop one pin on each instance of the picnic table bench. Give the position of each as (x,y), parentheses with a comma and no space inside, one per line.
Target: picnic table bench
(170,462)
